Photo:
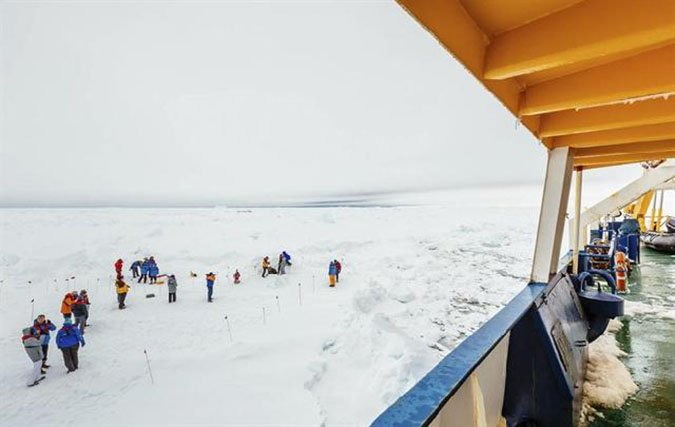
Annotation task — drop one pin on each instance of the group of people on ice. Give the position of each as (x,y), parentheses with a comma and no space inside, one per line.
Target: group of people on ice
(334,269)
(144,270)
(147,268)
(36,343)
(283,262)
(69,337)
(76,305)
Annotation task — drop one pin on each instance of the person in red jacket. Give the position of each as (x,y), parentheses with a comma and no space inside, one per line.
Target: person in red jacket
(237,277)
(85,297)
(118,267)
(338,269)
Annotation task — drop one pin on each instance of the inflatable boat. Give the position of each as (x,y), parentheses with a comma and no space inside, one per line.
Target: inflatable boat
(663,242)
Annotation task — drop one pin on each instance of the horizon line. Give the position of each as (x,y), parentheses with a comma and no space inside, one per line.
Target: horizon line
(353,199)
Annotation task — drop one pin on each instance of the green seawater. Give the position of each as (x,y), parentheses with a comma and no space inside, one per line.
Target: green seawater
(649,340)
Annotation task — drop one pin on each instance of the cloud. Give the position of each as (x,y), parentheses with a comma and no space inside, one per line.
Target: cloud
(177,103)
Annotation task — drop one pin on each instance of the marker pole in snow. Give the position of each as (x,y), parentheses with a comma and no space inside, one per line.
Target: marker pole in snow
(313,284)
(300,293)
(264,318)
(32,300)
(278,304)
(229,330)
(147,360)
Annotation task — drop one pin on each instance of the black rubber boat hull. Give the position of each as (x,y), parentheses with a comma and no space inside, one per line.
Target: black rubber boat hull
(663,242)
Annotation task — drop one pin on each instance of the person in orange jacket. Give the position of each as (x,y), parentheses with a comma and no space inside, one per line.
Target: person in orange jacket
(66,304)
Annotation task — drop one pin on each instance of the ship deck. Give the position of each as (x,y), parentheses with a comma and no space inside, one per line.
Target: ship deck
(649,340)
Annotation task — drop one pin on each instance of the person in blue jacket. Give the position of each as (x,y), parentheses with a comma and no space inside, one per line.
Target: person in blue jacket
(332,274)
(144,271)
(68,340)
(136,268)
(210,280)
(42,326)
(153,270)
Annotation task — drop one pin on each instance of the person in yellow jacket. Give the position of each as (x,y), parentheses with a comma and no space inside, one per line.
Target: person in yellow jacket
(266,266)
(122,289)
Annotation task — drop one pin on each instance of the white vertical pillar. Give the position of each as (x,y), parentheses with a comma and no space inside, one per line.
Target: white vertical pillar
(577,219)
(653,221)
(552,214)
(660,216)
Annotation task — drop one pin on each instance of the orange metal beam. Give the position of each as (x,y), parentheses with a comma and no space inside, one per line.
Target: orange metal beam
(618,116)
(529,80)
(583,64)
(590,29)
(616,159)
(635,148)
(606,165)
(497,16)
(657,132)
(648,74)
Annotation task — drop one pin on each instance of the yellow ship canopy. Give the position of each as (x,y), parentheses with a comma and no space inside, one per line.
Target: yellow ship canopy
(594,75)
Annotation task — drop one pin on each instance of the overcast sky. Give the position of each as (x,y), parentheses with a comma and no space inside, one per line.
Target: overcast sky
(136,103)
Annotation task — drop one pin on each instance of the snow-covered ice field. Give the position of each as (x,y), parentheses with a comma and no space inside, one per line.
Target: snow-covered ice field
(415,281)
